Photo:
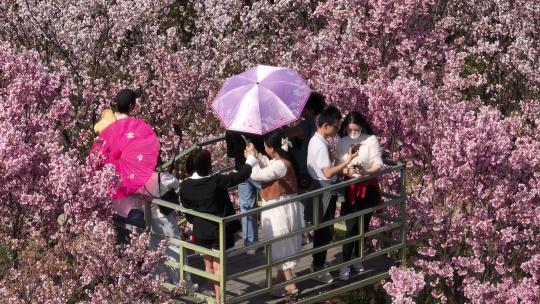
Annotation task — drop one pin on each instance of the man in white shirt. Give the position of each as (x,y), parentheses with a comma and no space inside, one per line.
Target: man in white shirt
(320,164)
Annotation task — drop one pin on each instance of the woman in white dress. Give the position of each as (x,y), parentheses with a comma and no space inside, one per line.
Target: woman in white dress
(356,133)
(278,183)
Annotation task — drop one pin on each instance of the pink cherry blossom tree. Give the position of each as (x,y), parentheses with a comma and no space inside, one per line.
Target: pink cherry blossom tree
(53,258)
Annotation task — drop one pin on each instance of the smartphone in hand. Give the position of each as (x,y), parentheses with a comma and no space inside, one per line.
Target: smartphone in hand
(355,148)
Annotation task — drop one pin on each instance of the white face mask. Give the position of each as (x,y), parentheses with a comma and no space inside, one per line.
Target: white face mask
(354,134)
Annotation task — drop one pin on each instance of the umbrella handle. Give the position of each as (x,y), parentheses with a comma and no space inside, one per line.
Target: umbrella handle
(246,141)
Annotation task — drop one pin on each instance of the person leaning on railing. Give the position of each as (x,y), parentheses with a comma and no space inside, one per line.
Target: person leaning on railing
(163,224)
(324,172)
(355,131)
(208,193)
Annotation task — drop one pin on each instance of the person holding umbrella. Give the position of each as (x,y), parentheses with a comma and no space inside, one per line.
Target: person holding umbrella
(127,209)
(132,147)
(247,190)
(300,134)
(254,103)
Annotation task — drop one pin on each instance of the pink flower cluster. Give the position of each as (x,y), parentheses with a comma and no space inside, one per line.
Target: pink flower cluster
(405,285)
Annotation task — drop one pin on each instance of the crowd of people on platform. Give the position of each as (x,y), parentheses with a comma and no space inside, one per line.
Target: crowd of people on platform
(279,165)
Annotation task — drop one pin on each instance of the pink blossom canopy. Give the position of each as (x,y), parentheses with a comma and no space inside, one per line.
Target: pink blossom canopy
(261,99)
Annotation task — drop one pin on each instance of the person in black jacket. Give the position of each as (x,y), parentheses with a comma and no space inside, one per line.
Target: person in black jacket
(208,193)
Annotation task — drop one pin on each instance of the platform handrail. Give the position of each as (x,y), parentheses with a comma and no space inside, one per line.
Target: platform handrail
(399,222)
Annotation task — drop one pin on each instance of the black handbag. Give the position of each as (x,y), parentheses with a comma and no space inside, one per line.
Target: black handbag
(232,226)
(304,182)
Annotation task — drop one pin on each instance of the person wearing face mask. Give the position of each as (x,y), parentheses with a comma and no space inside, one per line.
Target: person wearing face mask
(356,133)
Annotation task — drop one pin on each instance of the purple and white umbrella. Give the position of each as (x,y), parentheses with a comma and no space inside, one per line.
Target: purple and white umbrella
(261,99)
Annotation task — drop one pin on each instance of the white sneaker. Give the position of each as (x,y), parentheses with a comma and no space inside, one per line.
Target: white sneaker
(358,267)
(344,273)
(251,252)
(192,287)
(325,277)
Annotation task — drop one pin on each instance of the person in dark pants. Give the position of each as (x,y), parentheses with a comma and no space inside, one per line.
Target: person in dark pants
(370,199)
(323,172)
(300,135)
(356,133)
(208,193)
(135,217)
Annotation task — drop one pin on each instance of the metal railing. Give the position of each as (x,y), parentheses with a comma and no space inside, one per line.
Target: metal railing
(392,223)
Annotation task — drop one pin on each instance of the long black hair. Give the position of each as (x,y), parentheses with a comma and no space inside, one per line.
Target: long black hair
(274,140)
(190,167)
(357,119)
